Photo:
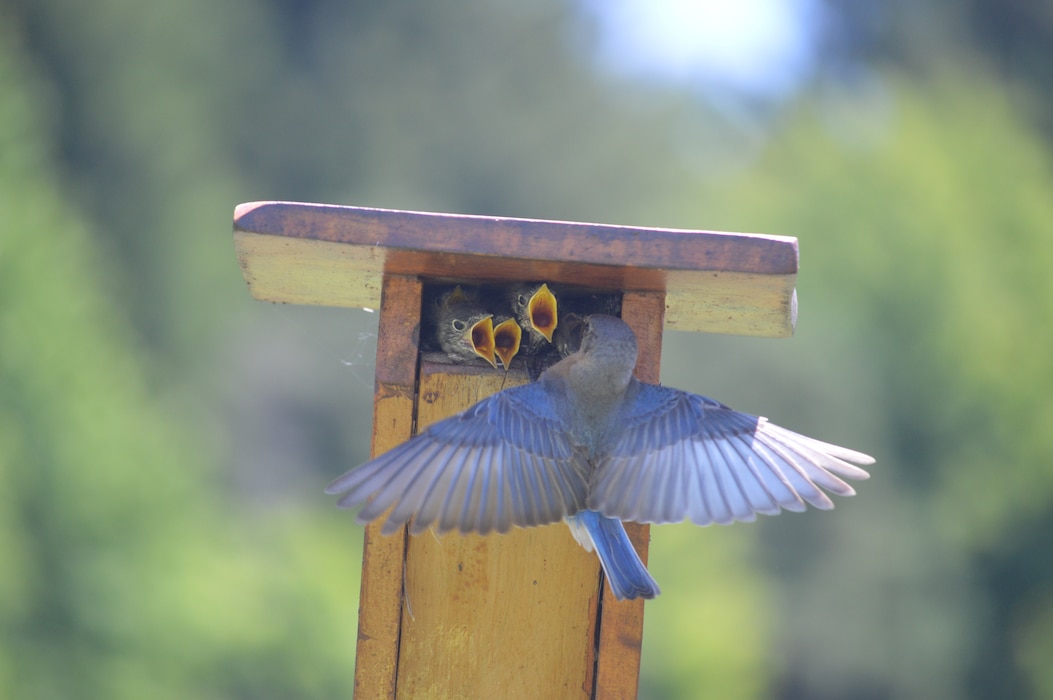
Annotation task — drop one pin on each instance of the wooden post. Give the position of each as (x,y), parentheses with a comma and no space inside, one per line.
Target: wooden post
(621,629)
(519,615)
(380,599)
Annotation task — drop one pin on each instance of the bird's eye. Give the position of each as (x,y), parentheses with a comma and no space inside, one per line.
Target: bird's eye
(521,300)
(459,325)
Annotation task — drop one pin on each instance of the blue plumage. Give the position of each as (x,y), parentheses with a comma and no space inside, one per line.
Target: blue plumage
(589,444)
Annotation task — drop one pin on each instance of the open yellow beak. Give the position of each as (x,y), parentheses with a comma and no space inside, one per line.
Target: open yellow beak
(507,337)
(543,313)
(481,336)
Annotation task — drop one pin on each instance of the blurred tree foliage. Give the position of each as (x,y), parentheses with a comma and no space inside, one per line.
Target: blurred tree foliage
(124,575)
(163,438)
(1013,39)
(924,217)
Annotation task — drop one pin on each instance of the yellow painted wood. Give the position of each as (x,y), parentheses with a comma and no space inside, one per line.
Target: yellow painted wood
(314,273)
(380,596)
(336,256)
(621,621)
(502,616)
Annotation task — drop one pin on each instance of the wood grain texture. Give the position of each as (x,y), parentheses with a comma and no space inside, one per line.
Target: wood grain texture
(335,256)
(380,598)
(621,621)
(502,616)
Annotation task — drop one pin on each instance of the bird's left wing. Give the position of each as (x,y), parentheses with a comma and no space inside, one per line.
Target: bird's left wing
(505,461)
(683,456)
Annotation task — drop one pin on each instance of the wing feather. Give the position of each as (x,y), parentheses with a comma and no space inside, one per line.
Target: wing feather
(507,460)
(682,456)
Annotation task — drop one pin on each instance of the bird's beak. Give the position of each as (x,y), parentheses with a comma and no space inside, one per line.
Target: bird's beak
(542,312)
(481,336)
(457,296)
(507,337)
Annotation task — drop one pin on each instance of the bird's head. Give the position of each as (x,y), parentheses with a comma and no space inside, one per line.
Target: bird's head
(610,343)
(537,309)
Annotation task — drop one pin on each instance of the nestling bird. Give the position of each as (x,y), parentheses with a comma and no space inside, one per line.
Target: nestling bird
(566,340)
(464,330)
(590,444)
(536,310)
(574,303)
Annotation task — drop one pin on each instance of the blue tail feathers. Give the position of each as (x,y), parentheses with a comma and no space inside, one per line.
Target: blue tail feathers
(625,573)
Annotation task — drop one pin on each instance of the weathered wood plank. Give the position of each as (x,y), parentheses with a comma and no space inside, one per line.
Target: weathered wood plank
(335,256)
(502,616)
(380,600)
(621,621)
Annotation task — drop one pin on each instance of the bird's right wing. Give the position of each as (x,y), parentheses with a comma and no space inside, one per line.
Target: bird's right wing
(505,461)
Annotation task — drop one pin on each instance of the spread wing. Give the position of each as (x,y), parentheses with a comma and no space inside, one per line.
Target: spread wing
(505,461)
(682,455)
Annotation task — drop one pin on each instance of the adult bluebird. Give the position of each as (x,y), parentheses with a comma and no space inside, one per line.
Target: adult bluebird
(590,444)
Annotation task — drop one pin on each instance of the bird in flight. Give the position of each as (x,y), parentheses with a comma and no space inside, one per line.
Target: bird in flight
(590,444)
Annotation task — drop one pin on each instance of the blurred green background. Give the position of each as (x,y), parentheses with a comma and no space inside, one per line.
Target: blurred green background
(164,439)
